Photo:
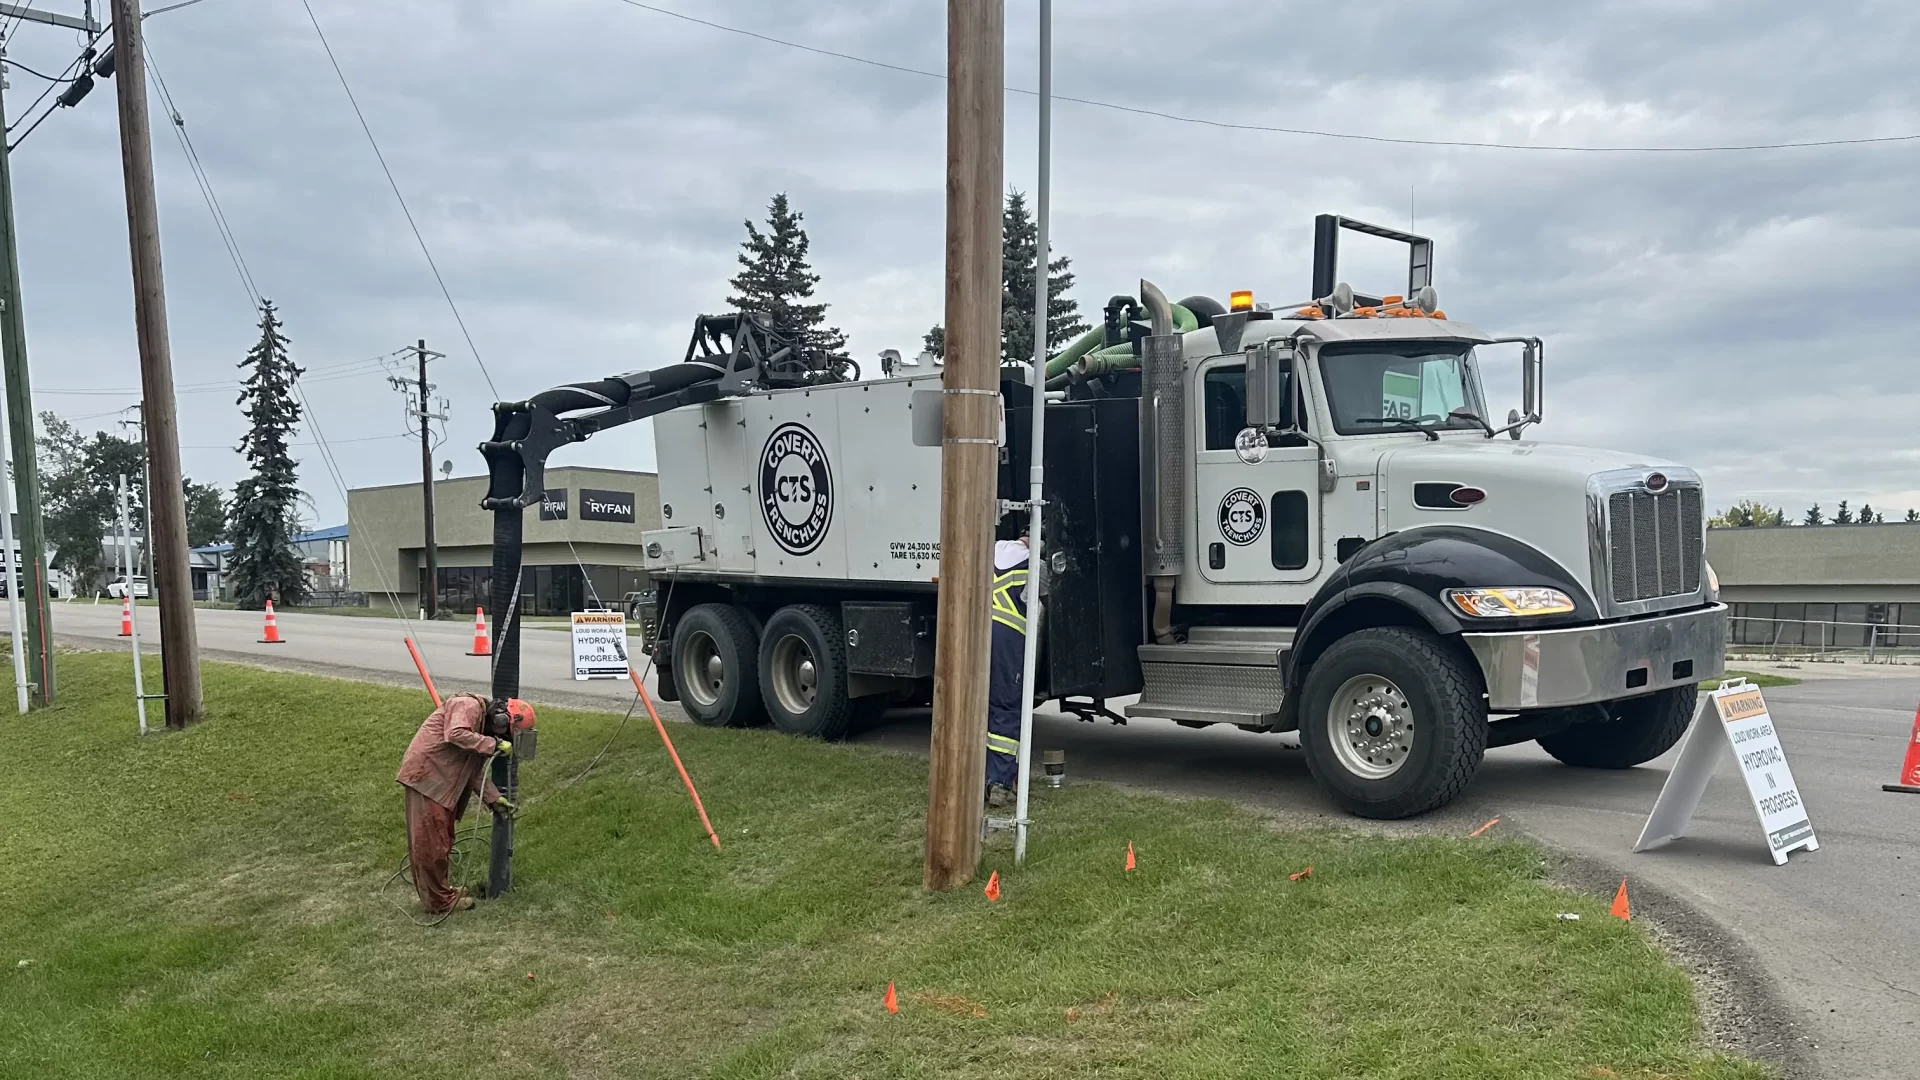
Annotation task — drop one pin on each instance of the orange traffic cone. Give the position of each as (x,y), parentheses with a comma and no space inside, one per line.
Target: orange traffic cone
(126,617)
(892,1000)
(993,887)
(481,646)
(273,629)
(1129,854)
(1909,768)
(1621,910)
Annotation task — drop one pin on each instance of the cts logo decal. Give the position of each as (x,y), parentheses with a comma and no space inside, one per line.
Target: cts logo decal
(796,489)
(1243,517)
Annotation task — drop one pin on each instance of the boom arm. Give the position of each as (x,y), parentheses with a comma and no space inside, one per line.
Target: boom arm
(728,356)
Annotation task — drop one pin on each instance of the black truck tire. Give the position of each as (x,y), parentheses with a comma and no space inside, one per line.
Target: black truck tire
(716,666)
(1392,722)
(1635,731)
(803,672)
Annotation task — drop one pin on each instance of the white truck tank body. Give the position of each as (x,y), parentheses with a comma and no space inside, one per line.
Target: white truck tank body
(823,483)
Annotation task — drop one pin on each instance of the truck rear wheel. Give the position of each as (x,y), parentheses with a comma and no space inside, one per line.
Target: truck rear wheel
(1635,731)
(1392,723)
(716,666)
(803,672)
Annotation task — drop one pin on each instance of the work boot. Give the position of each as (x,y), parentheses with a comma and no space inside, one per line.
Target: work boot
(460,903)
(999,796)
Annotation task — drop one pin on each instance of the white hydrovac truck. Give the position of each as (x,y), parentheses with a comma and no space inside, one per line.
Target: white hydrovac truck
(1299,519)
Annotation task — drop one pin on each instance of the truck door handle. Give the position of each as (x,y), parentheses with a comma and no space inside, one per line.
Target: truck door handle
(1217,556)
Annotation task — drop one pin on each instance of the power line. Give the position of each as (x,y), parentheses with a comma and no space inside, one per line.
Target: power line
(85,53)
(316,442)
(1228,125)
(422,240)
(19,17)
(220,222)
(353,370)
(38,75)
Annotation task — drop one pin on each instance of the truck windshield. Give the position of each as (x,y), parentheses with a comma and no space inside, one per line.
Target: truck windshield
(1378,386)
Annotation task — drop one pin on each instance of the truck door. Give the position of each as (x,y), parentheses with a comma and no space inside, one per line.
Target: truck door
(1255,523)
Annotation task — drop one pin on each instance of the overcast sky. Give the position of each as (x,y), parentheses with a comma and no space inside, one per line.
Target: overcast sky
(580,169)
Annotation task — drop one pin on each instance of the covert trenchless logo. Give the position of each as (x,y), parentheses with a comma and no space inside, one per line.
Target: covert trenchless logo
(796,489)
(1242,516)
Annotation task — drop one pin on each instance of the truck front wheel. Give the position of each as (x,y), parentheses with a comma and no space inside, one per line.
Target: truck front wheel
(803,672)
(1392,723)
(716,666)
(1634,732)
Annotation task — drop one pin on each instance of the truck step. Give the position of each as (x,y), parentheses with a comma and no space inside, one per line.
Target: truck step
(1222,675)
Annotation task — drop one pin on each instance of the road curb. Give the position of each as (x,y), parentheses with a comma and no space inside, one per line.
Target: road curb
(1741,1008)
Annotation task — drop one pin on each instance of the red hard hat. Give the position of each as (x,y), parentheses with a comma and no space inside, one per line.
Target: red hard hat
(521,712)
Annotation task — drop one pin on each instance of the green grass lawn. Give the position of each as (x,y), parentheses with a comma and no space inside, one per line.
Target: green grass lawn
(1757,678)
(209,904)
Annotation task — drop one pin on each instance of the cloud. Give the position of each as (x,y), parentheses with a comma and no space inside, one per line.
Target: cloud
(580,169)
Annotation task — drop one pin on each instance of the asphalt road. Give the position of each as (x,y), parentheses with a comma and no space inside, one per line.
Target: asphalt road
(1838,930)
(360,648)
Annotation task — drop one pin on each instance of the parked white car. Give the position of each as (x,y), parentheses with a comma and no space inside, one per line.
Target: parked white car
(118,589)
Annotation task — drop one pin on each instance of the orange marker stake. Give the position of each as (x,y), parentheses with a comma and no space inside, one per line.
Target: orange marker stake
(993,887)
(1307,873)
(674,754)
(1621,910)
(1129,854)
(1485,827)
(892,1000)
(424,677)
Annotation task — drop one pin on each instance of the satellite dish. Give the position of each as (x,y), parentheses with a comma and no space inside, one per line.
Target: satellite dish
(446,468)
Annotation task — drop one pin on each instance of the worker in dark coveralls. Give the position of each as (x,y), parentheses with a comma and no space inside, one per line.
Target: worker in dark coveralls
(443,767)
(1007,666)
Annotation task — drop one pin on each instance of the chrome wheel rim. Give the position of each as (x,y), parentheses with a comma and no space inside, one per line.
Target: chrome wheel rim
(796,680)
(1370,726)
(702,673)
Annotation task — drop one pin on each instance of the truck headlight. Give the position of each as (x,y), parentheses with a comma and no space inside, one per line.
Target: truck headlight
(1713,582)
(1504,603)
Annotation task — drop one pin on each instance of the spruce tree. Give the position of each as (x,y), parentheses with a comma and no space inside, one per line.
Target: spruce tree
(775,277)
(1843,516)
(1019,236)
(1813,516)
(1913,515)
(266,505)
(1866,514)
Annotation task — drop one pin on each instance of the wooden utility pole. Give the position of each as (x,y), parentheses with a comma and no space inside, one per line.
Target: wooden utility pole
(430,595)
(172,583)
(970,436)
(20,419)
(418,393)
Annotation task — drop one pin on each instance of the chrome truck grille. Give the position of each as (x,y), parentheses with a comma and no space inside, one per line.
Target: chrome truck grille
(1648,543)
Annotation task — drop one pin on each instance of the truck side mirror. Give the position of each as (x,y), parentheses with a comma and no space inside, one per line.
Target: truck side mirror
(1270,402)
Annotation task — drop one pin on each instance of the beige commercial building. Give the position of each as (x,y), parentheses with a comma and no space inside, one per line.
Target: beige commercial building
(1838,586)
(582,542)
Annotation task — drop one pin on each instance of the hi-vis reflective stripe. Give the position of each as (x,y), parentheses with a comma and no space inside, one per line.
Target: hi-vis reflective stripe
(1006,610)
(1001,744)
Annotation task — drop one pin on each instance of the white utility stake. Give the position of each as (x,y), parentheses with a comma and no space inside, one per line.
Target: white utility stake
(1036,450)
(125,561)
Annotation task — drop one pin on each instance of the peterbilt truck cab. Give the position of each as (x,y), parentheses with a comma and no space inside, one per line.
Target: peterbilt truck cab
(1301,518)
(1342,544)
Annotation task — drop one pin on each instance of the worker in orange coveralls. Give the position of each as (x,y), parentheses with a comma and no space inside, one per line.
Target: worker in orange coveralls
(444,765)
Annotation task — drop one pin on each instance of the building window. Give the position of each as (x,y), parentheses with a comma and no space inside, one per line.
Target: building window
(464,588)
